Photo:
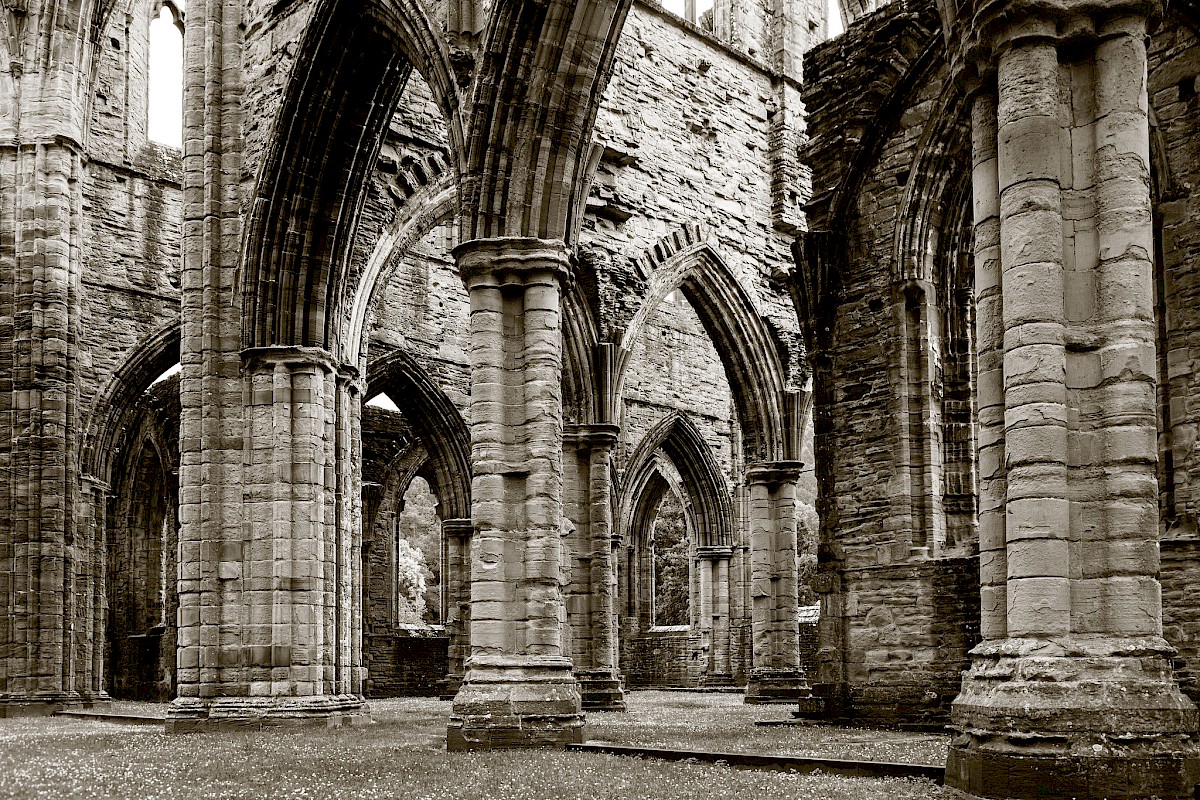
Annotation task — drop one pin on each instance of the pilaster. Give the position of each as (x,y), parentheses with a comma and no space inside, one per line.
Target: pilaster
(456,536)
(519,689)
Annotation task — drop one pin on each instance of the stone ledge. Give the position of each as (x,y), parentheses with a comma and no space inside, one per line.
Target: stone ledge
(780,763)
(12,707)
(187,715)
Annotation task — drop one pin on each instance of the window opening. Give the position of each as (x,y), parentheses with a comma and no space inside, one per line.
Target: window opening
(672,561)
(165,99)
(419,557)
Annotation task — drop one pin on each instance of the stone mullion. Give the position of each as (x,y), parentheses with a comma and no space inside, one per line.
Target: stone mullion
(518,689)
(1035,416)
(989,343)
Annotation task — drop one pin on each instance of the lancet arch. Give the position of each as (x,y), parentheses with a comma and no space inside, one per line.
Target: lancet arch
(437,423)
(352,68)
(109,425)
(768,407)
(705,492)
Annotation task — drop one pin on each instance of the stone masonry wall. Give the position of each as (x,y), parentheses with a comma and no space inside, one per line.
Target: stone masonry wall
(685,124)
(1173,86)
(896,625)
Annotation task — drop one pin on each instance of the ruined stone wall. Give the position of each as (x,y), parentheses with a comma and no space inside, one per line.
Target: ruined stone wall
(1174,69)
(405,664)
(424,311)
(685,124)
(132,206)
(900,608)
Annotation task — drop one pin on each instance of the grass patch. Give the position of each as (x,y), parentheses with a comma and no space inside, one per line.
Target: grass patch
(724,723)
(401,756)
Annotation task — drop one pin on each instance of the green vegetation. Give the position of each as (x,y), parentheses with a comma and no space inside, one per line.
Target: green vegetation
(672,563)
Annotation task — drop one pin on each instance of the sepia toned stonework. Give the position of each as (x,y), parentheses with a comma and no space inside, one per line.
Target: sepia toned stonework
(503,351)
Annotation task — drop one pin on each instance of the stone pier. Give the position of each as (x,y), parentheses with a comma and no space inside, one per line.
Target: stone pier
(589,448)
(1071,692)
(519,689)
(776,675)
(270,612)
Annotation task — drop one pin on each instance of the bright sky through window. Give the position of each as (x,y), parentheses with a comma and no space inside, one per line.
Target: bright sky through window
(165,102)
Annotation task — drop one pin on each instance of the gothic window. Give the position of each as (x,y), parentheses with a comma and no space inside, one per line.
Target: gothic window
(165,103)
(419,557)
(672,560)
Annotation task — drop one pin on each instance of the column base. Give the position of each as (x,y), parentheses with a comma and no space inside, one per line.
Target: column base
(1100,718)
(450,686)
(190,715)
(508,702)
(600,690)
(766,685)
(43,705)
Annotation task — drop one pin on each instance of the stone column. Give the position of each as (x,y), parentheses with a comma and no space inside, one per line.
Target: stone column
(776,675)
(596,670)
(456,536)
(51,578)
(1072,687)
(714,601)
(270,619)
(519,689)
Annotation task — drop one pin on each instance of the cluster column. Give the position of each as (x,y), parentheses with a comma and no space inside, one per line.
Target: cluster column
(776,675)
(270,613)
(1072,686)
(519,689)
(456,537)
(714,611)
(51,570)
(596,669)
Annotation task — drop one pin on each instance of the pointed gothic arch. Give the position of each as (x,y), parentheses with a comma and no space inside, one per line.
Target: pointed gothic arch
(769,405)
(108,425)
(437,423)
(353,65)
(544,68)
(705,492)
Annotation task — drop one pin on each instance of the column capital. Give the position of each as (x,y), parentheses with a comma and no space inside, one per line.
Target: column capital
(996,25)
(350,375)
(774,472)
(707,553)
(511,260)
(591,435)
(254,358)
(458,528)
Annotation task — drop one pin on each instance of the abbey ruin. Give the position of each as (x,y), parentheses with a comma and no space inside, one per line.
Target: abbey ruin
(527,351)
